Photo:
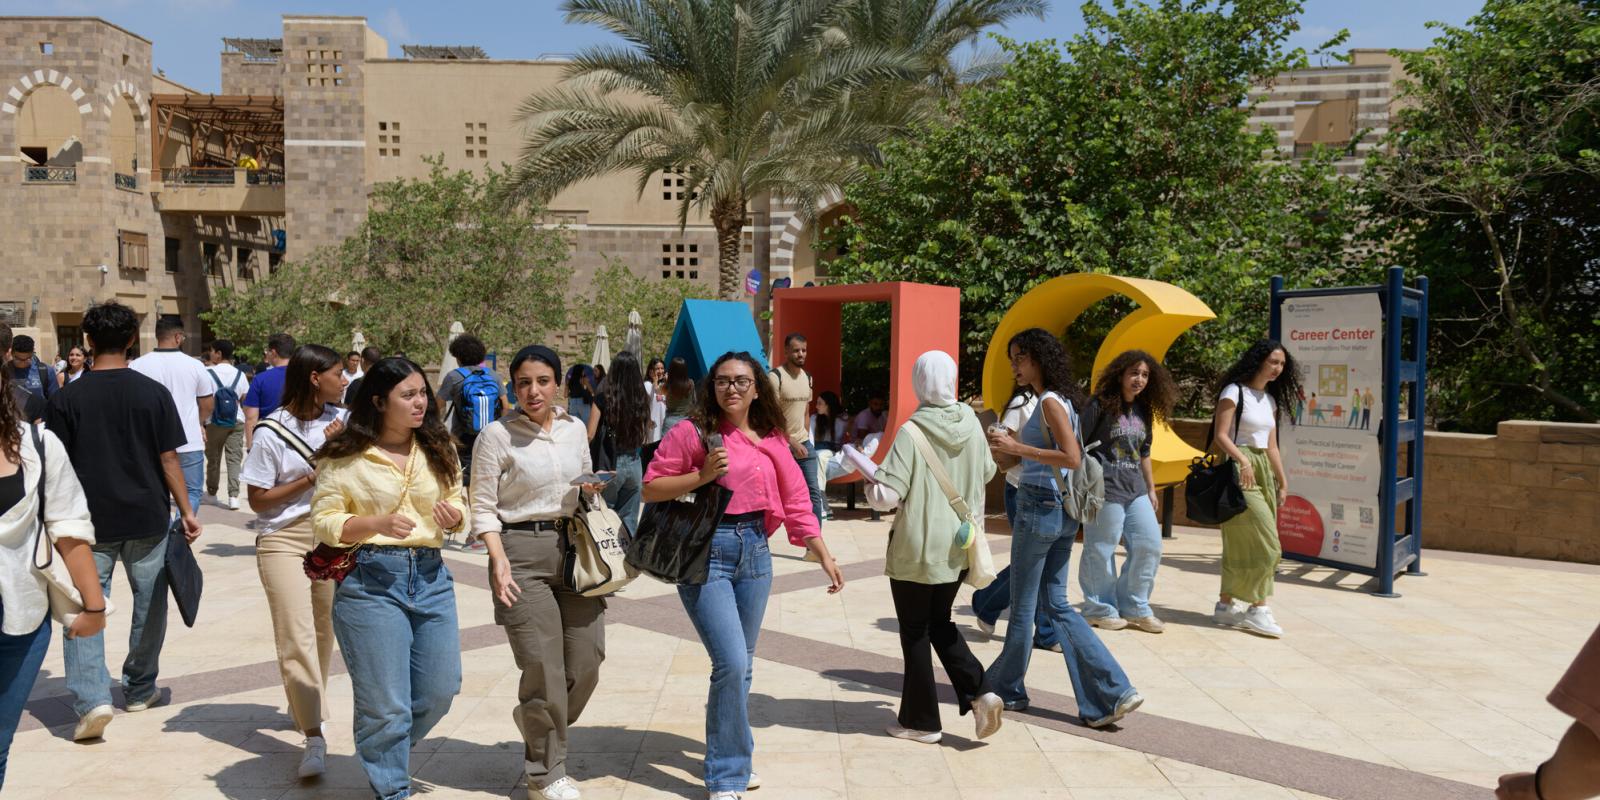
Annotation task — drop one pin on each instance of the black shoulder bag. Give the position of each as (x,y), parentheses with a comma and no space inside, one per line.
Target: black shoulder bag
(673,542)
(1211,493)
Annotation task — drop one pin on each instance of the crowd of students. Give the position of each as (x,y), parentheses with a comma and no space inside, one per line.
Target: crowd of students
(357,460)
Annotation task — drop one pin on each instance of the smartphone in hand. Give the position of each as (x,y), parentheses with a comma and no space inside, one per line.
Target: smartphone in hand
(590,477)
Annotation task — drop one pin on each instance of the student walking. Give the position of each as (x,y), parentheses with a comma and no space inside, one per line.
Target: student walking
(266,387)
(121,431)
(77,363)
(739,442)
(192,391)
(30,478)
(1041,543)
(655,380)
(926,560)
(369,356)
(30,374)
(680,396)
(522,501)
(281,474)
(225,430)
(31,407)
(792,386)
(471,395)
(624,412)
(1132,394)
(389,485)
(1263,380)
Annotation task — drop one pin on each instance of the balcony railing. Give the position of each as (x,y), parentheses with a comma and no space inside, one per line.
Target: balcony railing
(217,176)
(262,177)
(47,174)
(129,182)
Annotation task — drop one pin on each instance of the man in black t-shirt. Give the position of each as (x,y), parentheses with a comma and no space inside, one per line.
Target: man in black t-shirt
(122,432)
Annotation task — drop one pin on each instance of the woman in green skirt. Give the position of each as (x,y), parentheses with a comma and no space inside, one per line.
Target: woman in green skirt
(1261,383)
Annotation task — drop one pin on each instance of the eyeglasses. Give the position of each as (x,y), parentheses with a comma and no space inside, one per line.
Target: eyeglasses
(741,383)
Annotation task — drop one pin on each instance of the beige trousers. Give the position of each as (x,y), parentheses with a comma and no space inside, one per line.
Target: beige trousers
(302,620)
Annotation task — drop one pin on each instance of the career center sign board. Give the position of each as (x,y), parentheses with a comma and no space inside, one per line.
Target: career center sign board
(1332,454)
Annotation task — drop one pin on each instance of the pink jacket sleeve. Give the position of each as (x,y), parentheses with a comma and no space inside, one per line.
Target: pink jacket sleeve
(799,518)
(680,453)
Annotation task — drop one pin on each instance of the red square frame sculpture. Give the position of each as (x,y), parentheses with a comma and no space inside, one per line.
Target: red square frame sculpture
(923,317)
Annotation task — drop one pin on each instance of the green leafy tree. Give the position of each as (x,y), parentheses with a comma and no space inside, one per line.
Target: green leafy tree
(431,251)
(618,291)
(1488,185)
(1124,152)
(934,31)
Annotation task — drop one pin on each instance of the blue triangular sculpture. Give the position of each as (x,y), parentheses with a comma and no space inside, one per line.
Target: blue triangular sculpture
(708,328)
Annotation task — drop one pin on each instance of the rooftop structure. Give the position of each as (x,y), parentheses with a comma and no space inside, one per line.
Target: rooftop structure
(459,52)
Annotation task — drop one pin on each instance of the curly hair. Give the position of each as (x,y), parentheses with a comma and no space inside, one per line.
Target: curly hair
(366,421)
(766,415)
(1285,389)
(10,418)
(1055,364)
(1157,399)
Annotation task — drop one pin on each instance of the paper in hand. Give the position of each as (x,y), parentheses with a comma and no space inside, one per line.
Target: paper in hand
(862,462)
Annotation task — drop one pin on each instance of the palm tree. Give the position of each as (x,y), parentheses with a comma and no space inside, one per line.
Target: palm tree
(933,30)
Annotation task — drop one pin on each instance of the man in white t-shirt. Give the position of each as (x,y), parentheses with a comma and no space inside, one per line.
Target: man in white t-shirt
(225,428)
(191,389)
(352,367)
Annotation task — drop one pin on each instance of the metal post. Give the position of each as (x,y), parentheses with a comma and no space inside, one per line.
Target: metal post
(1419,396)
(1166,512)
(1275,313)
(1393,315)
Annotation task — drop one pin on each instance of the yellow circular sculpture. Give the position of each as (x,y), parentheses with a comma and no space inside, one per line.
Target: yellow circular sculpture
(1165,312)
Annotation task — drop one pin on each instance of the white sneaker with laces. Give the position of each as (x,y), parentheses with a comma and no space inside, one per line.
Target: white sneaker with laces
(561,789)
(1259,621)
(986,710)
(152,701)
(926,737)
(987,628)
(724,796)
(93,724)
(1125,706)
(1226,615)
(754,783)
(314,761)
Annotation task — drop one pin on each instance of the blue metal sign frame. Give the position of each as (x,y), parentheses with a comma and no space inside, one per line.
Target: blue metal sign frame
(1399,538)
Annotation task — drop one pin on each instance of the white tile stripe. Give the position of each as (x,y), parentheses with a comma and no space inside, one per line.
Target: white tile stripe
(325,142)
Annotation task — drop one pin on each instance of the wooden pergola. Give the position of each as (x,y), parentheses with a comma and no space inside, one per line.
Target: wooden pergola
(239,121)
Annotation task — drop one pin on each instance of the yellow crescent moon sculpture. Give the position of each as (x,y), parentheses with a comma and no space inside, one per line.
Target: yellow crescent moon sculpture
(1165,312)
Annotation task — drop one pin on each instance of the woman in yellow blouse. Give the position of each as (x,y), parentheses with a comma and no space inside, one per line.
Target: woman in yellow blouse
(390,485)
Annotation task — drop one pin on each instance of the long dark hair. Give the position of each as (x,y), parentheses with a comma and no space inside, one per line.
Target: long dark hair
(835,412)
(1154,403)
(577,387)
(10,419)
(679,385)
(626,406)
(766,415)
(298,395)
(1055,364)
(366,421)
(1284,390)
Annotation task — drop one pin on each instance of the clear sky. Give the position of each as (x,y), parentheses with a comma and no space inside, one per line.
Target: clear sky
(188,33)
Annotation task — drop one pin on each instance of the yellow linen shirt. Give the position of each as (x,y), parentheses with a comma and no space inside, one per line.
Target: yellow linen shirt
(369,484)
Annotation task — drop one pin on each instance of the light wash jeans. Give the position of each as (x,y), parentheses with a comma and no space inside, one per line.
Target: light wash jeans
(622,491)
(1105,593)
(727,611)
(808,468)
(194,477)
(395,618)
(20,659)
(1041,549)
(85,656)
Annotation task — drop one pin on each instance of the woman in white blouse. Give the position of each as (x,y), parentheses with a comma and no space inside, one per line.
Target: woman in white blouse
(280,478)
(523,466)
(24,597)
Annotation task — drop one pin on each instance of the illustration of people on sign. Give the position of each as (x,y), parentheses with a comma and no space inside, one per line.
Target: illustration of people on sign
(1366,410)
(1300,406)
(1318,413)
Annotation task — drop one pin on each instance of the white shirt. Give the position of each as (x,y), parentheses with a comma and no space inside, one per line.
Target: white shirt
(23,590)
(272,462)
(1018,412)
(1257,419)
(349,377)
(186,380)
(225,372)
(523,472)
(658,413)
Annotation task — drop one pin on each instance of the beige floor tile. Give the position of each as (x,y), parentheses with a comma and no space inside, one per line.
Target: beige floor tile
(978,768)
(1127,770)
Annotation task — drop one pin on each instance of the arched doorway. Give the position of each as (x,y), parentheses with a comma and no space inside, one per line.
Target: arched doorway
(49,135)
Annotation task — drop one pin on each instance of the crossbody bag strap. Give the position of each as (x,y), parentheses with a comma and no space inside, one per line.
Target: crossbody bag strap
(957,502)
(39,536)
(1238,414)
(295,443)
(1044,424)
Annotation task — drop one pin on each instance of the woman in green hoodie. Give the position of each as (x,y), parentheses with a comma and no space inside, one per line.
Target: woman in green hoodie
(926,558)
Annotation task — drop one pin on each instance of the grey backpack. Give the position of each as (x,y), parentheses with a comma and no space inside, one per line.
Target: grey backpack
(1085,491)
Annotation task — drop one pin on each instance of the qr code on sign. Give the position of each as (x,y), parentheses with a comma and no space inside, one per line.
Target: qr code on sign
(1366,515)
(1338,511)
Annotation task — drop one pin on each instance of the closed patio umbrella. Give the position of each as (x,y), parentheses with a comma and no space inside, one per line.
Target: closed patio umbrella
(635,335)
(602,348)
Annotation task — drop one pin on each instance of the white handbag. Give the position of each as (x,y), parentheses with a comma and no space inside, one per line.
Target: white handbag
(597,546)
(66,602)
(980,562)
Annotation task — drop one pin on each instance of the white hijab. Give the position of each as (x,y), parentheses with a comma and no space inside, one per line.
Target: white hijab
(934,378)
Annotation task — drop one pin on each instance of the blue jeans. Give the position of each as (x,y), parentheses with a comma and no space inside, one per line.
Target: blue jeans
(20,659)
(194,476)
(808,468)
(1041,549)
(988,602)
(1105,593)
(727,611)
(87,678)
(622,491)
(395,618)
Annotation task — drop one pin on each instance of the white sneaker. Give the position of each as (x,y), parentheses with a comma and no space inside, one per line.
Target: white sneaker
(926,737)
(724,796)
(1125,706)
(561,789)
(754,783)
(987,628)
(1057,648)
(93,724)
(986,710)
(315,760)
(1108,623)
(135,706)
(233,503)
(1226,615)
(1258,620)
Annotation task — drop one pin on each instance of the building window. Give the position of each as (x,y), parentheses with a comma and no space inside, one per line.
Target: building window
(383,152)
(395,152)
(174,254)
(208,254)
(483,154)
(47,49)
(273,259)
(241,261)
(395,138)
(133,250)
(382,126)
(383,139)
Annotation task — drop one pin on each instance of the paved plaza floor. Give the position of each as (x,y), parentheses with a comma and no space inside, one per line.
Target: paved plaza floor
(1431,695)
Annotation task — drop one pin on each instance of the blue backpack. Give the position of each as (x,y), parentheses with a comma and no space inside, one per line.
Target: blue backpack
(225,405)
(479,404)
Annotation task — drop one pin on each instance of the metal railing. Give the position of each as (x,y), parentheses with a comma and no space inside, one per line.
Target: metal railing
(48,174)
(217,176)
(262,177)
(129,182)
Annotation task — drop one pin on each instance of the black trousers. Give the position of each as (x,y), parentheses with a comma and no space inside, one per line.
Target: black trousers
(923,611)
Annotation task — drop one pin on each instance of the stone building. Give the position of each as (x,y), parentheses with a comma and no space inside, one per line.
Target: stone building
(1330,106)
